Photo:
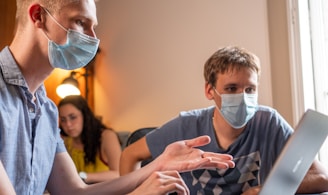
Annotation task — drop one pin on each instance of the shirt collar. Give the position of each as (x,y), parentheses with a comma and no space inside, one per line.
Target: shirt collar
(10,70)
(13,75)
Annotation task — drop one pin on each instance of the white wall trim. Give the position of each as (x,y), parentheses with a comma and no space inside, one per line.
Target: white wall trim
(295,60)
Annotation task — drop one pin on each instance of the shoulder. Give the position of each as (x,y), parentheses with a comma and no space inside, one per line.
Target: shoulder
(270,119)
(266,109)
(187,125)
(67,140)
(195,116)
(266,112)
(110,143)
(108,134)
(198,112)
(187,120)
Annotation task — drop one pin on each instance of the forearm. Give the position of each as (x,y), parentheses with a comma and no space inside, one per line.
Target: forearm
(126,168)
(128,164)
(124,184)
(65,180)
(316,180)
(314,183)
(101,176)
(6,187)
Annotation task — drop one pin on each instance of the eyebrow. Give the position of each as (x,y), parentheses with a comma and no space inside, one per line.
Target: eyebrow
(235,84)
(230,85)
(89,20)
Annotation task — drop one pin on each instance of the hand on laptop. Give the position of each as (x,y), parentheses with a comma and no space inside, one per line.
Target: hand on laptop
(252,191)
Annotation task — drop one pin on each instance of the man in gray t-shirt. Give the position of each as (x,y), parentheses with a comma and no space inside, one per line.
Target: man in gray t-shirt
(254,135)
(262,140)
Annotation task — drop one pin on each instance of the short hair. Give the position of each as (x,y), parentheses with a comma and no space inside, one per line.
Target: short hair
(228,59)
(51,5)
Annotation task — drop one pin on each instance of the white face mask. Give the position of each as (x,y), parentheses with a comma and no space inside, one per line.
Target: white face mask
(237,109)
(77,52)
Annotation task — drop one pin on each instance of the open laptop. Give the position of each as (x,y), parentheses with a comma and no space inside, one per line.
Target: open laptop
(297,155)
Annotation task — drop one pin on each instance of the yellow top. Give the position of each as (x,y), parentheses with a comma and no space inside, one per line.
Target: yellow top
(78,157)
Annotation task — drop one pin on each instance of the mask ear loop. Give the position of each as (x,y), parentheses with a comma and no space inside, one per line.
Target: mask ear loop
(217,93)
(217,107)
(54,19)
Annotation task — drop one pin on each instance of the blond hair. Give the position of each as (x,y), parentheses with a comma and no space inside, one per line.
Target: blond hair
(51,5)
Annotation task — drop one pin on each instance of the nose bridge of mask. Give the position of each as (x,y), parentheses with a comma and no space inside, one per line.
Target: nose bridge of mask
(231,99)
(54,19)
(250,99)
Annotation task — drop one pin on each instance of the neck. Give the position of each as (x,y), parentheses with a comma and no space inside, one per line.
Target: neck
(225,134)
(32,61)
(77,143)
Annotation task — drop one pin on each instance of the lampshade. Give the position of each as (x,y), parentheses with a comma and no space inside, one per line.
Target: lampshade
(69,86)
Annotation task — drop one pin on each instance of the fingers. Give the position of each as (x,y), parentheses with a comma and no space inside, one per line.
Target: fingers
(209,163)
(175,187)
(221,161)
(217,155)
(224,161)
(198,141)
(171,181)
(210,159)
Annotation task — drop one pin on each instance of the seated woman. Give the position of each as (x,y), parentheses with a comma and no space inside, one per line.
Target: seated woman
(94,148)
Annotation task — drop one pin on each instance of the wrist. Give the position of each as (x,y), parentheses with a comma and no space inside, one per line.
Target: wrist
(83,175)
(157,164)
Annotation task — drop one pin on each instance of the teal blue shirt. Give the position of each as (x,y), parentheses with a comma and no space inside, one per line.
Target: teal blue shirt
(29,133)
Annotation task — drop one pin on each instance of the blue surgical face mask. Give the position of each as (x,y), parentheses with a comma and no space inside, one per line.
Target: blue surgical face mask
(238,109)
(77,52)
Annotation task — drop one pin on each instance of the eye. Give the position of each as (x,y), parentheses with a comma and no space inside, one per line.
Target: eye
(72,117)
(250,90)
(62,120)
(80,23)
(231,89)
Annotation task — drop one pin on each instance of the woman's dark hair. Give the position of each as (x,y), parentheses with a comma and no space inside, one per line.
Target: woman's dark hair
(92,127)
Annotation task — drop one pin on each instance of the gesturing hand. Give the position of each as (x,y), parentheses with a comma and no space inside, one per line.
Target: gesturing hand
(162,182)
(183,156)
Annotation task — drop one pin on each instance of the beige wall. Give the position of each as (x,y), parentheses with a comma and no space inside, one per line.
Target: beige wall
(152,55)
(280,60)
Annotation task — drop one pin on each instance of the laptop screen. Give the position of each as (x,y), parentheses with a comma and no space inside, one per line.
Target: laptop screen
(297,155)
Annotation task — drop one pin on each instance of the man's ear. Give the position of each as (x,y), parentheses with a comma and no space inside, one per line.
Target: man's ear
(209,92)
(36,15)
